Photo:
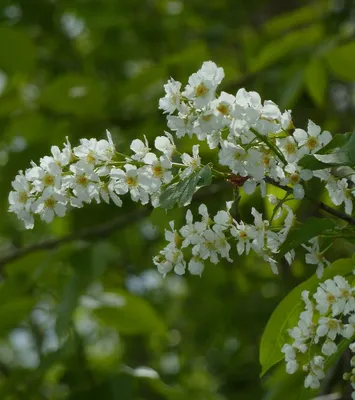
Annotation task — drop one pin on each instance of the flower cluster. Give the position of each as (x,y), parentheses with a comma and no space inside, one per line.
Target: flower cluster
(328,317)
(213,238)
(254,143)
(91,171)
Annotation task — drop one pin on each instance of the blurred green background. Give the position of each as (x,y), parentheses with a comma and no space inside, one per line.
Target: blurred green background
(88,316)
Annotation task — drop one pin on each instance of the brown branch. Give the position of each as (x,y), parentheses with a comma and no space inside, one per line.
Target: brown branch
(101,230)
(330,210)
(97,231)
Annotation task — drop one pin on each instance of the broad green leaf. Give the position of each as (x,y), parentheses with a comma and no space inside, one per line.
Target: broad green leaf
(341,61)
(74,94)
(68,304)
(182,192)
(287,313)
(101,255)
(14,312)
(18,51)
(303,233)
(317,81)
(332,149)
(291,19)
(282,47)
(132,316)
(292,90)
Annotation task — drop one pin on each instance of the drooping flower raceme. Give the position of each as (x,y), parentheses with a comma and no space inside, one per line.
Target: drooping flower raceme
(254,142)
(328,318)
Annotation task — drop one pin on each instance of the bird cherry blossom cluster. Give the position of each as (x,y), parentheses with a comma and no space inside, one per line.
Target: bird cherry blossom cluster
(328,318)
(254,143)
(211,239)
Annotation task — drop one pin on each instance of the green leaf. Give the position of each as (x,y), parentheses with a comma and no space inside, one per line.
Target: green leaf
(299,16)
(317,81)
(133,316)
(303,233)
(68,304)
(13,312)
(18,50)
(74,94)
(282,47)
(287,313)
(334,150)
(182,192)
(341,61)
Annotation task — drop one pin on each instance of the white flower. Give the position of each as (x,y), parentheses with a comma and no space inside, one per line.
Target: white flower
(291,366)
(329,327)
(340,193)
(191,232)
(202,84)
(92,151)
(289,352)
(132,180)
(312,382)
(49,176)
(316,257)
(211,243)
(222,106)
(183,124)
(84,182)
(289,149)
(232,155)
(206,123)
(159,169)
(244,235)
(171,101)
(196,266)
(49,204)
(140,149)
(329,348)
(165,144)
(270,110)
(192,163)
(312,140)
(296,174)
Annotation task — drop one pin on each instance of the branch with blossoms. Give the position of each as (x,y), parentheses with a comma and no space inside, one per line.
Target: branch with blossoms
(256,144)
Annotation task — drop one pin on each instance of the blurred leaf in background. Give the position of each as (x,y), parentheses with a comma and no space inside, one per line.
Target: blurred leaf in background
(87,315)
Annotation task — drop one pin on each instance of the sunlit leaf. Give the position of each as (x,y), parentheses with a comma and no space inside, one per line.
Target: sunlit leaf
(341,61)
(287,313)
(317,81)
(133,315)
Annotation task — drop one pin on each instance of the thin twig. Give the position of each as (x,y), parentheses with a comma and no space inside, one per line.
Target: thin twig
(97,231)
(101,230)
(330,210)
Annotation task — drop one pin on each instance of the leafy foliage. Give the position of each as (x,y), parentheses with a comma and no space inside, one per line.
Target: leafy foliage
(76,68)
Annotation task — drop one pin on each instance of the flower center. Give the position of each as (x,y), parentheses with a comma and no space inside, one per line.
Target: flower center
(201,90)
(50,202)
(312,142)
(131,181)
(82,180)
(330,298)
(207,117)
(266,161)
(294,178)
(90,158)
(157,171)
(237,156)
(48,180)
(223,108)
(243,235)
(23,197)
(291,148)
(332,324)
